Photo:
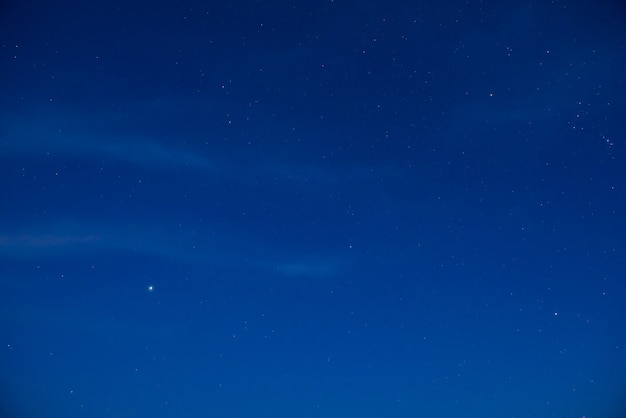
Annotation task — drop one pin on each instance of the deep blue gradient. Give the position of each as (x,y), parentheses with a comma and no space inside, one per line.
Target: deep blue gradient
(326,208)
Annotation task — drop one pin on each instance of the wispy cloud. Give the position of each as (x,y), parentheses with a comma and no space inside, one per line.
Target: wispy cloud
(39,135)
(81,135)
(227,248)
(52,239)
(31,242)
(321,267)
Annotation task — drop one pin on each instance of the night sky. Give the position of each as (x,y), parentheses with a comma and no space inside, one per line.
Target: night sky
(328,208)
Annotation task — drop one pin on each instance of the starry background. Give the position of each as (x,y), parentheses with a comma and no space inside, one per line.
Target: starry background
(312,209)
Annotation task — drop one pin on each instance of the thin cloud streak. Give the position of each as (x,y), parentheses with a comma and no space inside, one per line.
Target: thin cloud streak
(46,136)
(69,240)
(40,138)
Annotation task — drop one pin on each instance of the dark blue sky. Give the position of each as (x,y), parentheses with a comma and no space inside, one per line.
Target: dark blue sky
(312,209)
